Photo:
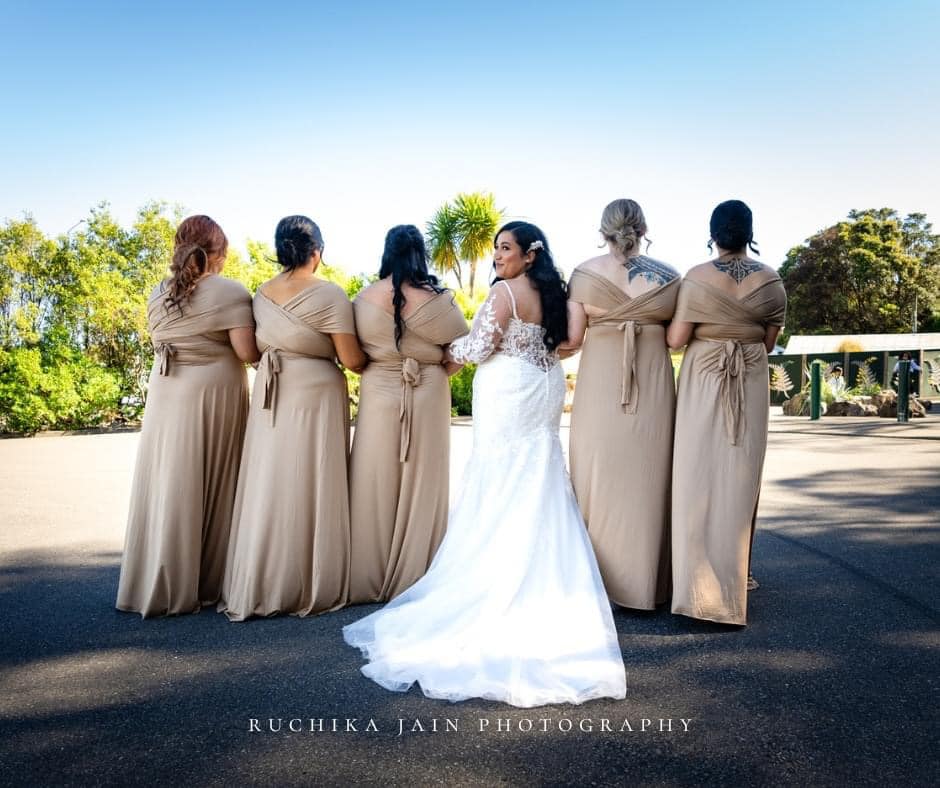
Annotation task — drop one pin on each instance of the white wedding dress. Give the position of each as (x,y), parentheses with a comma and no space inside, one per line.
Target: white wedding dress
(513,607)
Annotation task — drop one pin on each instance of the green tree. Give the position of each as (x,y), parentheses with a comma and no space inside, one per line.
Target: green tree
(31,283)
(116,269)
(254,271)
(444,242)
(864,275)
(75,349)
(477,221)
(462,233)
(461,384)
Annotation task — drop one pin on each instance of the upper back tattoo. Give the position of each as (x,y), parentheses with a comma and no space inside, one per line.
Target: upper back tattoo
(651,270)
(738,268)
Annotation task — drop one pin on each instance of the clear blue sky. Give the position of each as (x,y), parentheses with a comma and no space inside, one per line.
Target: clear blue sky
(368,114)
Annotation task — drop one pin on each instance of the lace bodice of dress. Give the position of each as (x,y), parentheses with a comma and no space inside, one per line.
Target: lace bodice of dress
(498,329)
(526,341)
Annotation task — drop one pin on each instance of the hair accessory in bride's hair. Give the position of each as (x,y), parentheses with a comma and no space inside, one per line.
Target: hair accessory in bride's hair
(535,245)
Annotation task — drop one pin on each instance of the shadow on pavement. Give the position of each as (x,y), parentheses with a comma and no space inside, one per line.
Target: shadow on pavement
(830,683)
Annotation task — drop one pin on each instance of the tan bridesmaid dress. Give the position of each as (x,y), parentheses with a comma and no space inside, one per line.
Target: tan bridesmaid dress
(187,460)
(621,436)
(721,438)
(400,462)
(289,549)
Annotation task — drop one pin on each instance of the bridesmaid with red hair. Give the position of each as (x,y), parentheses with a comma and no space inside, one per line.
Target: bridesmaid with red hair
(203,334)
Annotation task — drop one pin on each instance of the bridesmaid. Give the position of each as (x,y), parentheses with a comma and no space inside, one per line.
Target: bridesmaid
(187,462)
(621,421)
(401,451)
(730,311)
(289,551)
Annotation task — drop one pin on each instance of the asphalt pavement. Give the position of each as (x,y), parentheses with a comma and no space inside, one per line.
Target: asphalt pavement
(833,682)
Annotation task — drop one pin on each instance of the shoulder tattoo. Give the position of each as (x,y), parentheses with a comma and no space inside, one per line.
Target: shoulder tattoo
(651,270)
(738,268)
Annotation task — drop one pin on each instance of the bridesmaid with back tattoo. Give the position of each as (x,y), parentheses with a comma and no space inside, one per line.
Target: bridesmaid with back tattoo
(729,313)
(621,421)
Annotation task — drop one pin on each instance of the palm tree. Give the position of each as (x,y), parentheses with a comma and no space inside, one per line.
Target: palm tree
(444,240)
(477,218)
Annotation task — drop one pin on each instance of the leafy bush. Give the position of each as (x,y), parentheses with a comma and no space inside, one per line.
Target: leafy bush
(469,304)
(461,391)
(865,382)
(352,384)
(74,347)
(825,394)
(55,390)
(99,393)
(461,384)
(23,408)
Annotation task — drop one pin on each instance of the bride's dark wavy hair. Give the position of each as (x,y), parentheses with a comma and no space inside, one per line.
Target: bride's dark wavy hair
(553,292)
(405,259)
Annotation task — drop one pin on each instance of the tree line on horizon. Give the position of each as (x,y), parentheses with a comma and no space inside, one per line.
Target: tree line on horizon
(74,349)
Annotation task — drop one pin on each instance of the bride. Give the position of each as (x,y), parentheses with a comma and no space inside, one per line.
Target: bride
(513,607)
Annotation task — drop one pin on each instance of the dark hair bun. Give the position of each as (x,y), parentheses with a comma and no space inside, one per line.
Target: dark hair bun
(295,240)
(732,225)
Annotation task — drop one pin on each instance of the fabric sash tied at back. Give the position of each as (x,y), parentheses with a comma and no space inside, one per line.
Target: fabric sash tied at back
(410,377)
(731,367)
(631,329)
(165,351)
(626,314)
(629,386)
(269,368)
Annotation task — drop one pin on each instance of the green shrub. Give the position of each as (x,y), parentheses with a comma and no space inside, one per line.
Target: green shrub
(461,391)
(74,346)
(59,389)
(99,393)
(352,384)
(23,408)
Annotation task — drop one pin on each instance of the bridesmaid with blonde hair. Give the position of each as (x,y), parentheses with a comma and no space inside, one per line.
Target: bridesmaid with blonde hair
(289,551)
(187,461)
(729,313)
(621,421)
(399,469)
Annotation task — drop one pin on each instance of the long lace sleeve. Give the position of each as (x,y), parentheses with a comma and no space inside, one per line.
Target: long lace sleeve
(487,332)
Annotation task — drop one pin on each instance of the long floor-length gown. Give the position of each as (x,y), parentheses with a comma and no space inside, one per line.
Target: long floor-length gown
(721,438)
(513,607)
(289,549)
(621,436)
(187,460)
(400,462)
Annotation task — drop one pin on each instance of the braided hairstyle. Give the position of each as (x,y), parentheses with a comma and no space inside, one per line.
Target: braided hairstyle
(405,259)
(295,240)
(553,292)
(732,227)
(199,241)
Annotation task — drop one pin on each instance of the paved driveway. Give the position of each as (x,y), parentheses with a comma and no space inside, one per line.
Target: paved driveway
(834,681)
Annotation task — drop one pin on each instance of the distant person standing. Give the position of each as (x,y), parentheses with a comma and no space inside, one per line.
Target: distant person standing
(914,373)
(729,313)
(624,403)
(190,445)
(837,383)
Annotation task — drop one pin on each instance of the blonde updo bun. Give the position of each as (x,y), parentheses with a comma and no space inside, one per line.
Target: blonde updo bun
(623,225)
